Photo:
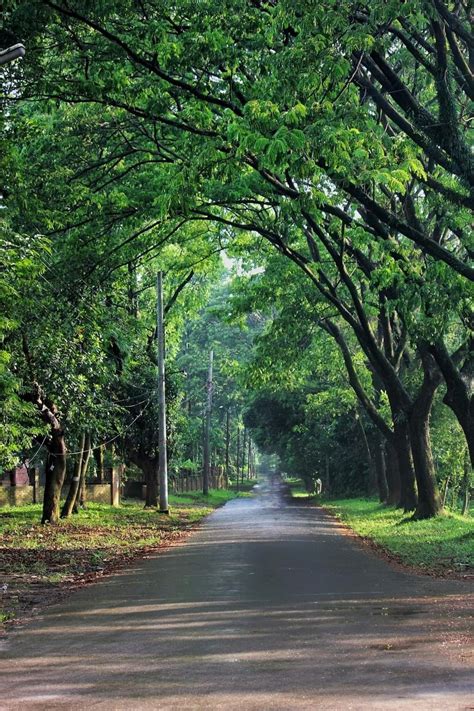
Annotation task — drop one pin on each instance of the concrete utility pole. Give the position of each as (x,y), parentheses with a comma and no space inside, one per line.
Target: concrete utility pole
(162,453)
(227,445)
(207,436)
(237,459)
(244,452)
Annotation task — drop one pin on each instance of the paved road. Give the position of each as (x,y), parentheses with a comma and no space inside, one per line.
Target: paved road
(267,606)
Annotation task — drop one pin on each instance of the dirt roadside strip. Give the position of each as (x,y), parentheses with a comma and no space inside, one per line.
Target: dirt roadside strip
(441,547)
(24,596)
(40,565)
(389,556)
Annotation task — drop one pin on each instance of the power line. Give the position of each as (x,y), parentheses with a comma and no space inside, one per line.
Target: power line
(102,444)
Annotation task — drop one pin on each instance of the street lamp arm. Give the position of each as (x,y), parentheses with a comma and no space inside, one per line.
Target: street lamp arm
(12,53)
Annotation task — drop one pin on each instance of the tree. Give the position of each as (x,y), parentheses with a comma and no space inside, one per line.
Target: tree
(236,123)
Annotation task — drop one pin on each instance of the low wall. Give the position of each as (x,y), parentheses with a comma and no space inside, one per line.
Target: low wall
(177,485)
(98,493)
(182,484)
(109,493)
(20,495)
(16,495)
(133,490)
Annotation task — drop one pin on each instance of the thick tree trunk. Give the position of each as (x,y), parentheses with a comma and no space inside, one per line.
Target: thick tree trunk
(150,469)
(462,405)
(99,463)
(68,505)
(408,495)
(55,473)
(466,484)
(56,464)
(149,466)
(459,383)
(429,502)
(399,464)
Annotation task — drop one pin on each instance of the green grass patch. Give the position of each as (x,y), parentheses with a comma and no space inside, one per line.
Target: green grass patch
(216,497)
(297,488)
(100,526)
(243,487)
(6,617)
(34,559)
(443,544)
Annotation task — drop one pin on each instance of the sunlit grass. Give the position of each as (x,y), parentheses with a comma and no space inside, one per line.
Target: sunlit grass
(96,540)
(444,543)
(96,535)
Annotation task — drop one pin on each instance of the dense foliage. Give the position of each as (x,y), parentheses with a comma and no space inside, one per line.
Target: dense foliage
(324,149)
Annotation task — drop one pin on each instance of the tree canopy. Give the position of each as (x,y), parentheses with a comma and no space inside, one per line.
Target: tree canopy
(323,152)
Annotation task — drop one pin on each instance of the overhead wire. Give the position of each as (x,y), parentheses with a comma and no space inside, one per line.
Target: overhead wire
(102,444)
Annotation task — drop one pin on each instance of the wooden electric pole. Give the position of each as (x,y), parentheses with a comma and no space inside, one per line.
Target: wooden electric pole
(162,453)
(207,435)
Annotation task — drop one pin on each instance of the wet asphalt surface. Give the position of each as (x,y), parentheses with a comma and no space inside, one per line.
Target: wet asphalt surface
(267,606)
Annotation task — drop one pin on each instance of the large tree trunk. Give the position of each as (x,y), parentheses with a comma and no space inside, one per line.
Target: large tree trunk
(99,463)
(56,462)
(429,502)
(463,408)
(459,383)
(150,469)
(55,473)
(466,484)
(68,505)
(408,495)
(149,466)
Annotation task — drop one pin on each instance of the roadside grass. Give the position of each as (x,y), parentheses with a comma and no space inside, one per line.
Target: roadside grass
(297,488)
(244,486)
(441,545)
(36,561)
